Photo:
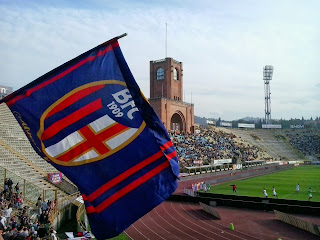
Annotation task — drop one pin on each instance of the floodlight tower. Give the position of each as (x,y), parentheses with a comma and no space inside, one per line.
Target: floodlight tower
(267,77)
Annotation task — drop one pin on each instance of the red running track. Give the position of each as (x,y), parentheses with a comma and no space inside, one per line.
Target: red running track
(177,220)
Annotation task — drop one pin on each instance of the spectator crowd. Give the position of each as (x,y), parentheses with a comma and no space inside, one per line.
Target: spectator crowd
(20,221)
(307,141)
(210,144)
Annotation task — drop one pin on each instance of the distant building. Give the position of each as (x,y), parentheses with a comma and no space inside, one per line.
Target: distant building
(166,95)
(5,91)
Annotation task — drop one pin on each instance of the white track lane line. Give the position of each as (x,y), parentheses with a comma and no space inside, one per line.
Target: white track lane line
(173,225)
(138,232)
(196,225)
(205,223)
(219,224)
(149,215)
(150,229)
(267,235)
(127,235)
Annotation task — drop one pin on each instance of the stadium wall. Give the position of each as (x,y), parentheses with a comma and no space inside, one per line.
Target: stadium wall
(248,174)
(65,211)
(244,173)
(64,216)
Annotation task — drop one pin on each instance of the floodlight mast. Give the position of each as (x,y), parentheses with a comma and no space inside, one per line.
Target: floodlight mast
(267,77)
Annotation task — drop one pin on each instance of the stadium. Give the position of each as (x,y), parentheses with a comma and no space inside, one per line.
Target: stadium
(85,155)
(214,156)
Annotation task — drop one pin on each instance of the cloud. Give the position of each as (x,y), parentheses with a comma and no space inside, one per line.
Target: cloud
(223,47)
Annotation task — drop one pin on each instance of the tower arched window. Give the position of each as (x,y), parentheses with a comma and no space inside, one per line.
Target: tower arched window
(160,74)
(175,74)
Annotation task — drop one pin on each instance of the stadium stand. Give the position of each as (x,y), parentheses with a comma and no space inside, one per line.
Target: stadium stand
(306,140)
(277,148)
(21,164)
(210,144)
(18,156)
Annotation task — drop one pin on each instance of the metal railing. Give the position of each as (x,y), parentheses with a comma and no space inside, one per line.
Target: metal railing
(30,191)
(80,215)
(62,203)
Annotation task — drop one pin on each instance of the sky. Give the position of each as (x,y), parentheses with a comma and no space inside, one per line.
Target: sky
(223,45)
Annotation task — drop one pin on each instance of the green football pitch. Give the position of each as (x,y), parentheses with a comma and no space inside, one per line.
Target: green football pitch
(284,182)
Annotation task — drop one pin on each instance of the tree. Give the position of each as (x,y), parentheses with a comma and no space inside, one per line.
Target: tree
(259,124)
(219,121)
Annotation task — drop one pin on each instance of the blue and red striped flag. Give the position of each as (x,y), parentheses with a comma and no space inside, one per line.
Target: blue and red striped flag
(89,119)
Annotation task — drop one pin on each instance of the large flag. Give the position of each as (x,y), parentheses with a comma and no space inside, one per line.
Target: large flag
(89,119)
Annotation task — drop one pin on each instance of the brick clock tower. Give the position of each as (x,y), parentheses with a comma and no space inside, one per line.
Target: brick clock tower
(166,95)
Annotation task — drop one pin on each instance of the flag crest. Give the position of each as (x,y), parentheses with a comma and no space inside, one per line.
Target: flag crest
(117,127)
(89,119)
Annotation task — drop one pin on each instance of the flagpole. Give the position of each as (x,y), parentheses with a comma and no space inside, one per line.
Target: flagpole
(121,36)
(110,41)
(166,41)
